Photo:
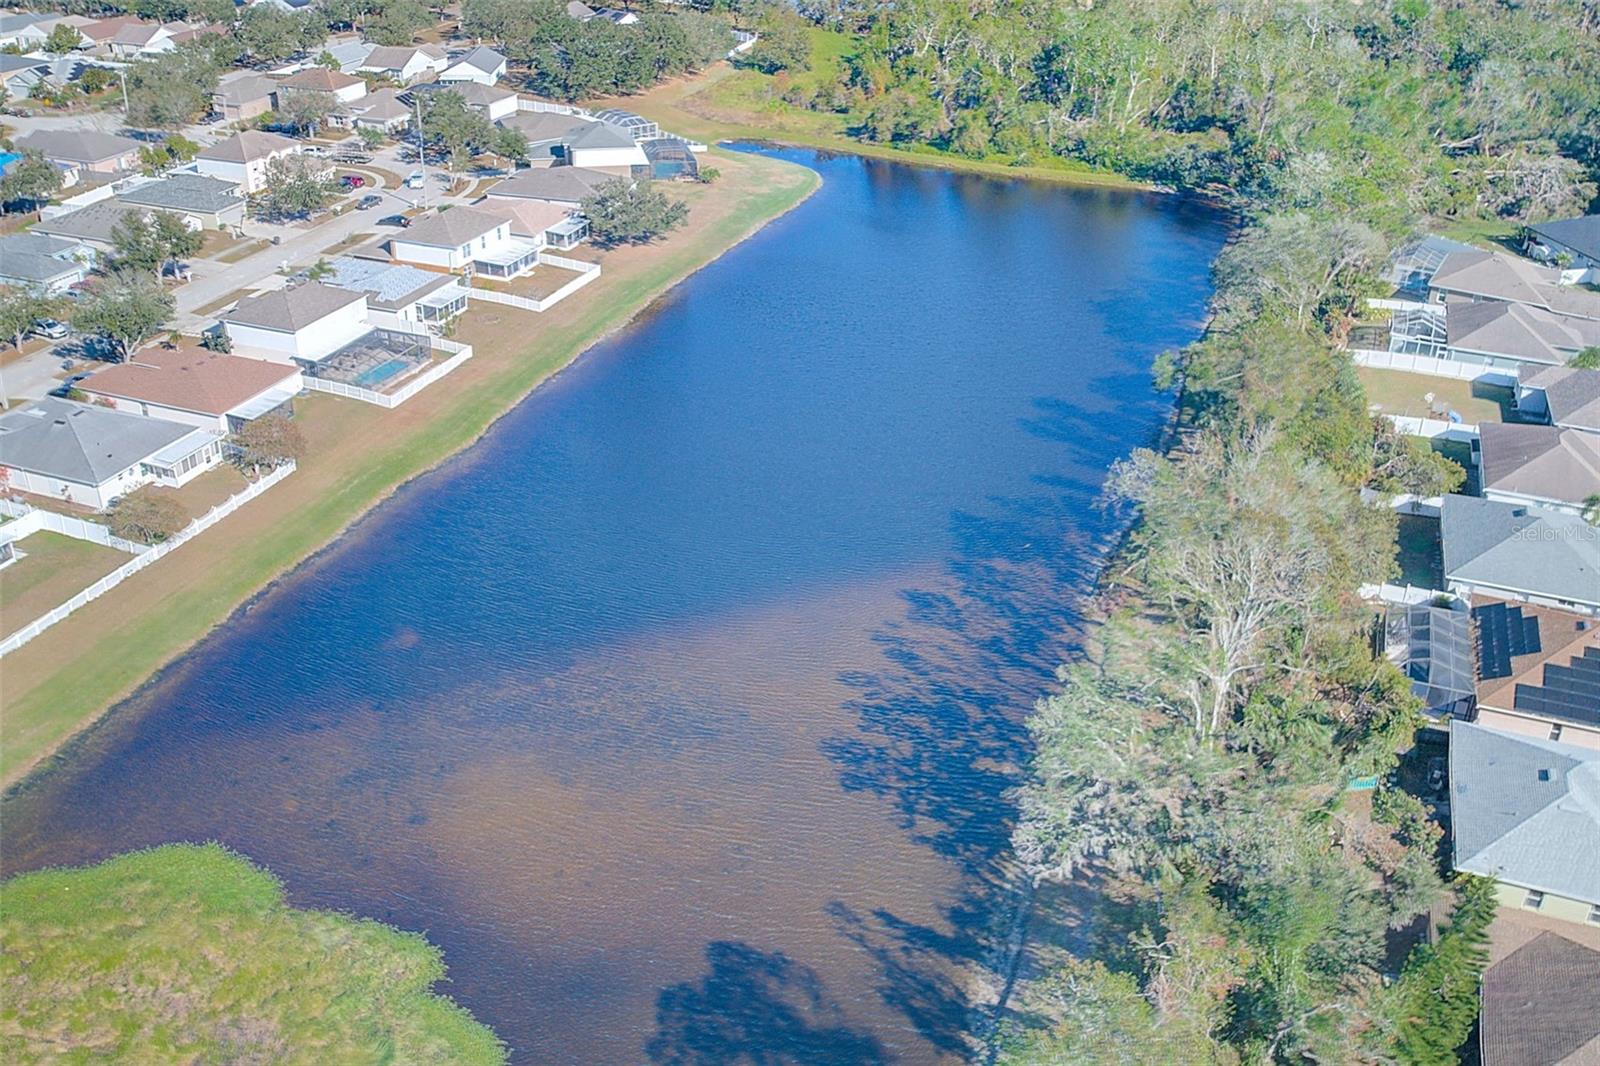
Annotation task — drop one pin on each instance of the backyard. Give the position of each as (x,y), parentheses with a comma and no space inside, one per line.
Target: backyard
(50,569)
(1397,392)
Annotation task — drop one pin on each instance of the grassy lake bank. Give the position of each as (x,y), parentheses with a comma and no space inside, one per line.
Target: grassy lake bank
(64,680)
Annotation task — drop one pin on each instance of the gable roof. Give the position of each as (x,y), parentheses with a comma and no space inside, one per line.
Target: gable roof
(1496,276)
(249,145)
(395,57)
(599,135)
(1526,810)
(292,310)
(481,58)
(1520,548)
(78,146)
(1522,331)
(80,442)
(531,218)
(1541,1005)
(185,192)
(472,93)
(1545,462)
(1572,395)
(320,79)
(37,257)
(93,222)
(246,89)
(1582,235)
(452,228)
(107,28)
(189,379)
(380,105)
(566,184)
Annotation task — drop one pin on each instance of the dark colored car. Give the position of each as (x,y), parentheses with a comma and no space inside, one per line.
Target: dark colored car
(370,200)
(394,220)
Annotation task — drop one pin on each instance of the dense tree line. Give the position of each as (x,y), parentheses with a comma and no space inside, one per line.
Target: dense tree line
(571,60)
(1198,760)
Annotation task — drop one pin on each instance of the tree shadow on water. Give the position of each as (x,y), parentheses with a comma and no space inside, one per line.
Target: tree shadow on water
(755,1007)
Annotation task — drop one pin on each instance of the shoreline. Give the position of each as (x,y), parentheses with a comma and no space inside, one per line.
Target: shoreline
(18,775)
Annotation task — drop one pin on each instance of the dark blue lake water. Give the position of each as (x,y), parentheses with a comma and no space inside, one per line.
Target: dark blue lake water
(680,711)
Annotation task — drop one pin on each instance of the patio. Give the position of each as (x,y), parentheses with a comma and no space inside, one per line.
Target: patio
(380,360)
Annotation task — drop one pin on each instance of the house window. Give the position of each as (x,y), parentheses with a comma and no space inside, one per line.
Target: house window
(1594,914)
(1555,732)
(1533,900)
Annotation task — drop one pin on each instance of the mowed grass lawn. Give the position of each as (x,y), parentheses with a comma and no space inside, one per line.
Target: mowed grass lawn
(189,953)
(53,569)
(1398,392)
(63,680)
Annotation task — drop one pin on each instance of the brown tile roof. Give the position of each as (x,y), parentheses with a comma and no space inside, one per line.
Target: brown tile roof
(1543,462)
(1561,638)
(319,79)
(190,379)
(1541,1005)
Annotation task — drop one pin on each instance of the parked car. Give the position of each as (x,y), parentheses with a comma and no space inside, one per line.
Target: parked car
(415,180)
(370,200)
(1436,774)
(353,181)
(49,329)
(394,220)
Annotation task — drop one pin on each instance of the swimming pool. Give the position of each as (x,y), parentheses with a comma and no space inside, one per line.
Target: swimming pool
(382,372)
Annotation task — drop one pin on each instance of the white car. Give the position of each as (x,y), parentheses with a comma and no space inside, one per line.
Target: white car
(49,329)
(416,180)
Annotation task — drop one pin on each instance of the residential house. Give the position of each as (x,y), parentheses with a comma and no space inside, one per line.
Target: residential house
(1433,645)
(301,325)
(469,239)
(22,29)
(583,13)
(405,63)
(336,86)
(201,202)
(547,133)
(90,455)
(547,225)
(19,74)
(638,127)
(491,101)
(401,297)
(1572,244)
(603,147)
(209,390)
(1481,275)
(87,150)
(1541,1004)
(1516,552)
(381,109)
(579,10)
(1525,812)
(92,224)
(1545,466)
(1493,335)
(567,186)
(99,33)
(243,158)
(482,65)
(37,260)
(350,54)
(1538,672)
(1562,395)
(138,39)
(243,95)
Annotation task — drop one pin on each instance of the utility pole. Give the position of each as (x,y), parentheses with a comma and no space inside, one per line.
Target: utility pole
(122,77)
(422,150)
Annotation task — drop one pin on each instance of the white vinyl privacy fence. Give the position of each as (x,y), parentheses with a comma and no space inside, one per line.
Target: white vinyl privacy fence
(147,554)
(30,520)
(459,353)
(587,272)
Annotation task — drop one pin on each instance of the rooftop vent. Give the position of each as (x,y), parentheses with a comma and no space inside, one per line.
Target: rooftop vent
(1544,775)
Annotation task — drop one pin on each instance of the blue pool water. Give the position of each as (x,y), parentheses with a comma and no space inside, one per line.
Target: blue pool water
(375,376)
(681,709)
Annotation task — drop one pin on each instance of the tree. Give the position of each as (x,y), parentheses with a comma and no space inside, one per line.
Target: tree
(451,125)
(371,137)
(126,309)
(295,187)
(1304,263)
(174,90)
(149,242)
(147,515)
(20,308)
(63,39)
(1430,1010)
(319,270)
(272,34)
(31,179)
(96,80)
(624,212)
(304,112)
(269,441)
(783,43)
(1587,359)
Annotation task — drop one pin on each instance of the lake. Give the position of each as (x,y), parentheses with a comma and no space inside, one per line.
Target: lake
(680,711)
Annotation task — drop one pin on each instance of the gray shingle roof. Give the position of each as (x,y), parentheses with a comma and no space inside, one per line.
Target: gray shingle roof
(1541,1004)
(291,309)
(78,146)
(566,184)
(1521,331)
(482,58)
(1526,810)
(247,145)
(1520,548)
(1540,461)
(1496,276)
(600,135)
(455,227)
(1582,235)
(185,192)
(92,223)
(244,90)
(80,442)
(36,257)
(1572,395)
